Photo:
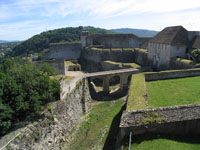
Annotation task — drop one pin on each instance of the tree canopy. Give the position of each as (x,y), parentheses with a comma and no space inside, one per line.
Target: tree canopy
(24,87)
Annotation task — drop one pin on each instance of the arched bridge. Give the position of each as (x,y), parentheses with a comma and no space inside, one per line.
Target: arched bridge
(107,75)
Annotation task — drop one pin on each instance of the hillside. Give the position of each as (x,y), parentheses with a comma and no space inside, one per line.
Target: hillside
(137,32)
(40,42)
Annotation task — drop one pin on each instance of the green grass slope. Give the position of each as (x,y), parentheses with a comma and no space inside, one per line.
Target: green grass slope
(164,144)
(100,128)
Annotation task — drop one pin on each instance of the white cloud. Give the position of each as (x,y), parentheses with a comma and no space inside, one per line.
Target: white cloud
(104,8)
(160,13)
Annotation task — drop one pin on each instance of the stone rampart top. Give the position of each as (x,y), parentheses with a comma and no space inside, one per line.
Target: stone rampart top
(160,115)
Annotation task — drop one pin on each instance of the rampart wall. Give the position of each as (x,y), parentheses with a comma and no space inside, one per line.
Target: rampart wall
(57,122)
(172,74)
(180,120)
(91,59)
(65,51)
(114,40)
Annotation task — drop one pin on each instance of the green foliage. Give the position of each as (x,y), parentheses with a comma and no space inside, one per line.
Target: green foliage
(196,54)
(152,117)
(40,42)
(24,88)
(48,69)
(5,116)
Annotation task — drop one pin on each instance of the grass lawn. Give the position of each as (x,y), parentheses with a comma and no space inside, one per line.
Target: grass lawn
(163,144)
(99,128)
(173,92)
(137,93)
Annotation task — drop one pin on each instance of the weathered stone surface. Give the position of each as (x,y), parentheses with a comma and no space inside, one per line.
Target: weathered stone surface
(91,60)
(169,114)
(173,74)
(61,117)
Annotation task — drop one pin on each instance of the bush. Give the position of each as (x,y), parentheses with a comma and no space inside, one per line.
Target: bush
(24,88)
(196,54)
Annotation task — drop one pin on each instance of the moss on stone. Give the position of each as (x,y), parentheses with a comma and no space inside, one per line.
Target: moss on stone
(59,77)
(141,50)
(152,117)
(133,65)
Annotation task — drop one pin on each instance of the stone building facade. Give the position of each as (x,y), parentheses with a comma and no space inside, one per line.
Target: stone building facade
(171,42)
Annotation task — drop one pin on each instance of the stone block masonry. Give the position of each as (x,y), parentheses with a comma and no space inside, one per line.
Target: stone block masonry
(64,51)
(50,131)
(172,74)
(91,59)
(174,120)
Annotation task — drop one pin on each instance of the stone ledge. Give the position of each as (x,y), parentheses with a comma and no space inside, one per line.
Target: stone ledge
(160,115)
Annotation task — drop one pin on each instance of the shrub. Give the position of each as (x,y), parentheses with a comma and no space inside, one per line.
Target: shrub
(24,88)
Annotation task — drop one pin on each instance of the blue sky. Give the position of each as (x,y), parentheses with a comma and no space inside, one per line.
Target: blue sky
(21,19)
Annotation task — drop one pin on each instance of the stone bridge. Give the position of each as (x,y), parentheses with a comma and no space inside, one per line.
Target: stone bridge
(107,75)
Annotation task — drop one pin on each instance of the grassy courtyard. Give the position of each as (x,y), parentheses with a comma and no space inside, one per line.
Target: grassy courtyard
(173,92)
(162,93)
(165,144)
(99,129)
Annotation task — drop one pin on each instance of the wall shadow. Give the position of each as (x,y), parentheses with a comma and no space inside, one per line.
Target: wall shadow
(101,96)
(110,142)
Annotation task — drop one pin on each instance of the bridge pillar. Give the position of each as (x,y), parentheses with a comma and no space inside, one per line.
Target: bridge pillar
(106,85)
(124,81)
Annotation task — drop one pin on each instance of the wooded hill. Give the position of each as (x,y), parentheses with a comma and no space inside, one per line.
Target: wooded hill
(40,42)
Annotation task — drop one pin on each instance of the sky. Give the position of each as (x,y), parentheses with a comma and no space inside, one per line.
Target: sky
(21,19)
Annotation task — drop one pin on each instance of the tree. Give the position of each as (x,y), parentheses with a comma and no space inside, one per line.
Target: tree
(196,54)
(24,87)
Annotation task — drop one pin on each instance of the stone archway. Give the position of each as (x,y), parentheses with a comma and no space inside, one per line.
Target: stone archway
(114,83)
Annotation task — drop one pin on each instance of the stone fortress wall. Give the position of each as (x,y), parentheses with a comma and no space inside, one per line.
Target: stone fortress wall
(64,51)
(176,120)
(92,59)
(114,41)
(57,122)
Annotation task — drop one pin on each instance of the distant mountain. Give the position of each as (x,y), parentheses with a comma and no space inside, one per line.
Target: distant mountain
(137,32)
(4,41)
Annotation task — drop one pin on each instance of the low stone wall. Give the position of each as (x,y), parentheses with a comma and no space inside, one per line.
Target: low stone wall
(57,122)
(178,64)
(58,65)
(183,119)
(172,74)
